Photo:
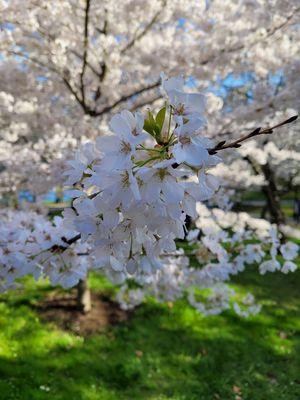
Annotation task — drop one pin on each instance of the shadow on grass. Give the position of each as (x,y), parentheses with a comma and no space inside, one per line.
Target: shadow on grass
(160,354)
(276,286)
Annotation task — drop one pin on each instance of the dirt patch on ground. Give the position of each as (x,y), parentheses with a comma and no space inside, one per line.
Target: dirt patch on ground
(63,312)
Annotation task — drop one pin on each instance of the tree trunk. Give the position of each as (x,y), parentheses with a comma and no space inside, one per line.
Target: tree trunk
(273,199)
(296,213)
(84,302)
(270,191)
(264,210)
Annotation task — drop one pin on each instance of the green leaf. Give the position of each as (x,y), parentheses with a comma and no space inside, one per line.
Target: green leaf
(156,129)
(151,118)
(160,118)
(150,125)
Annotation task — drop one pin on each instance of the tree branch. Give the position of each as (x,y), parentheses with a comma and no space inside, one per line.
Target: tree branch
(80,101)
(145,102)
(269,32)
(85,49)
(258,131)
(125,98)
(103,66)
(34,61)
(88,64)
(137,36)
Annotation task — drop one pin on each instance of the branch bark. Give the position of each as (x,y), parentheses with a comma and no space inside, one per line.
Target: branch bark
(258,131)
(138,35)
(270,192)
(85,48)
(272,195)
(125,98)
(84,300)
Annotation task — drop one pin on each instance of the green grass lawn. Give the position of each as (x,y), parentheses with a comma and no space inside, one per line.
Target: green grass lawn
(160,353)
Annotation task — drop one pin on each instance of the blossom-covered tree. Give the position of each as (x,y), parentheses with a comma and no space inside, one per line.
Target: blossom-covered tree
(271,164)
(85,59)
(132,191)
(68,65)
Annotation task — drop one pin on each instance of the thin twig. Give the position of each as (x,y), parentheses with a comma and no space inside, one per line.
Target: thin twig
(126,97)
(85,48)
(258,131)
(138,35)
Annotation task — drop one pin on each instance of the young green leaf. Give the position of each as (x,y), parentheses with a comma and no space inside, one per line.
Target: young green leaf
(149,124)
(160,118)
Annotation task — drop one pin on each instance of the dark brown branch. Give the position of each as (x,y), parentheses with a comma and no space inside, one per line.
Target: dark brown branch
(85,49)
(270,190)
(59,248)
(72,240)
(125,98)
(138,35)
(35,61)
(145,102)
(75,94)
(88,64)
(95,113)
(103,64)
(69,242)
(63,76)
(270,32)
(258,131)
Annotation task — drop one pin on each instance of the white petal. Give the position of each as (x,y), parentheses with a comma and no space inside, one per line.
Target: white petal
(289,266)
(196,155)
(129,118)
(115,264)
(179,153)
(131,266)
(151,192)
(119,125)
(134,187)
(189,206)
(139,122)
(172,83)
(172,190)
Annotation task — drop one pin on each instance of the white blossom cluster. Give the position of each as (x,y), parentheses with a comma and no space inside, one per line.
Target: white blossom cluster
(134,188)
(229,242)
(30,244)
(58,78)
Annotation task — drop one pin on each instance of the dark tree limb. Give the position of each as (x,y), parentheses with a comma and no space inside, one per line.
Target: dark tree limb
(88,64)
(126,98)
(103,65)
(270,191)
(85,48)
(258,131)
(83,298)
(139,34)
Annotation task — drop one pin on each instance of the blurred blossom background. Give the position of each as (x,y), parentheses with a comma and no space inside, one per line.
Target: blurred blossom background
(66,67)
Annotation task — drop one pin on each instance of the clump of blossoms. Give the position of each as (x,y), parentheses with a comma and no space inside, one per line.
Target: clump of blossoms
(229,243)
(32,245)
(134,188)
(131,193)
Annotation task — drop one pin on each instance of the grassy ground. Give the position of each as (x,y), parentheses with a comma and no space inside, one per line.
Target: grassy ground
(162,352)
